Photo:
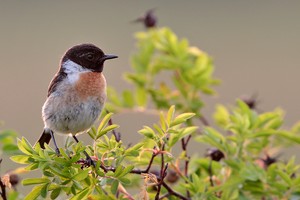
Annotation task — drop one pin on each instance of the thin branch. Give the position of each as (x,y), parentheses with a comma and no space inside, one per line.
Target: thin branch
(3,190)
(210,173)
(121,189)
(117,135)
(134,171)
(163,169)
(165,196)
(150,163)
(161,182)
(184,144)
(172,192)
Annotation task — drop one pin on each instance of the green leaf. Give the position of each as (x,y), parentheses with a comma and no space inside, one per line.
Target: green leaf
(252,172)
(55,193)
(134,151)
(107,129)
(188,130)
(114,186)
(98,169)
(214,138)
(47,173)
(81,175)
(9,148)
(125,181)
(92,133)
(118,171)
(32,166)
(128,99)
(13,195)
(59,172)
(21,159)
(126,170)
(181,118)
(35,193)
(25,146)
(289,136)
(163,122)
(141,96)
(32,181)
(285,177)
(221,116)
(44,190)
(170,115)
(104,122)
(83,194)
(148,132)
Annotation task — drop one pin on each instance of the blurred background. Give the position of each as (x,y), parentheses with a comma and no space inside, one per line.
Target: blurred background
(255,46)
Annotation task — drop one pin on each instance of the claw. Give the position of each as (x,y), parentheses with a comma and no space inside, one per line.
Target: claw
(57,151)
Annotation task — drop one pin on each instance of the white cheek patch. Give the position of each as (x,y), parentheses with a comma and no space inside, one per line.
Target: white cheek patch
(73,70)
(71,67)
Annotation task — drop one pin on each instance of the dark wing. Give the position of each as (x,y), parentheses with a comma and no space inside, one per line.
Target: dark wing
(60,76)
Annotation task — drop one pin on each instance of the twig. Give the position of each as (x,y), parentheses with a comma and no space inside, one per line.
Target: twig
(210,173)
(172,192)
(138,171)
(163,169)
(3,190)
(117,135)
(161,179)
(184,144)
(121,189)
(134,171)
(150,163)
(164,196)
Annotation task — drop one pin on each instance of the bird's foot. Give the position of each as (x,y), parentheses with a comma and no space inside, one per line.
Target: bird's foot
(57,151)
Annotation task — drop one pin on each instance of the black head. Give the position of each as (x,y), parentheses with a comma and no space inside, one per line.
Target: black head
(88,56)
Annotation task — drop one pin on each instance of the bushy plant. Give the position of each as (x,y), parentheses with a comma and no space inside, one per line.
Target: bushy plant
(239,164)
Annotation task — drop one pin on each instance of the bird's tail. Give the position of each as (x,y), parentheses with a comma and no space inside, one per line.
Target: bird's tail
(45,138)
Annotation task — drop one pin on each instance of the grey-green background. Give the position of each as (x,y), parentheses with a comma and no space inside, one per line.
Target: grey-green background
(255,46)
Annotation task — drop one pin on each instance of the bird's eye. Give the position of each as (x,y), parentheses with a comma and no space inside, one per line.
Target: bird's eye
(89,57)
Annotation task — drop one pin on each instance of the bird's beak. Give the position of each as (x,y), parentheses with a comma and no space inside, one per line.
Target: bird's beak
(107,57)
(101,61)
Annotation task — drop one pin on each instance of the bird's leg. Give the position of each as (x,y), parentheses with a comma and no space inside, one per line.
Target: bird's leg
(88,158)
(56,148)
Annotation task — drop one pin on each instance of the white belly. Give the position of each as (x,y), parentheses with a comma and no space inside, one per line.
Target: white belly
(71,117)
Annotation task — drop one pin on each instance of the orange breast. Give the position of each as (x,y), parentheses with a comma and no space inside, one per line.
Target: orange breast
(91,84)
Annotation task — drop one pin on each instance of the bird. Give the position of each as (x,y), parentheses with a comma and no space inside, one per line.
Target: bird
(76,94)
